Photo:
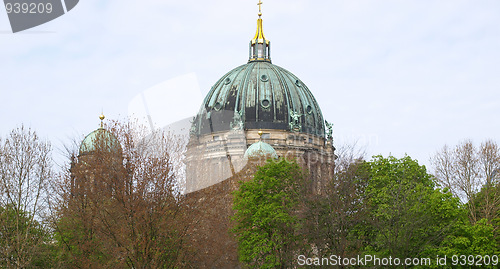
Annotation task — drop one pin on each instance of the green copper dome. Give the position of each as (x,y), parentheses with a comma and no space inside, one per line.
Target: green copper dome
(93,140)
(260,149)
(259,95)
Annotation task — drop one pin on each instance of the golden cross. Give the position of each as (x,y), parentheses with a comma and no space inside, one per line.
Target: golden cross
(260,5)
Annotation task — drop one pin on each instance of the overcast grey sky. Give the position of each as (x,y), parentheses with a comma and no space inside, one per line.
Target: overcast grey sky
(399,76)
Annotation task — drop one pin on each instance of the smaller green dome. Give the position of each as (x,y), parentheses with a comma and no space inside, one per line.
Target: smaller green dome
(90,142)
(260,149)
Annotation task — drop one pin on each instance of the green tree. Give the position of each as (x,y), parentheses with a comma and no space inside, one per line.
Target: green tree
(13,223)
(468,245)
(267,223)
(407,214)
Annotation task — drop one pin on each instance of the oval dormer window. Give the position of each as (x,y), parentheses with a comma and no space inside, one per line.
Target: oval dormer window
(309,109)
(265,103)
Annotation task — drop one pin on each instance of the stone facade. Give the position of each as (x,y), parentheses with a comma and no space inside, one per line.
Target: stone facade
(213,158)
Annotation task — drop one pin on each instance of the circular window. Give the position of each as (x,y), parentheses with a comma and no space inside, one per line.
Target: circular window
(227,81)
(264,78)
(265,103)
(309,109)
(297,82)
(217,106)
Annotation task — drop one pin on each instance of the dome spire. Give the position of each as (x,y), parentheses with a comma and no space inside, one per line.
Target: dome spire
(102,117)
(260,47)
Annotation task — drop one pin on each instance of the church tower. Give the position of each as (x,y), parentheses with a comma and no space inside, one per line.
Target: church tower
(98,167)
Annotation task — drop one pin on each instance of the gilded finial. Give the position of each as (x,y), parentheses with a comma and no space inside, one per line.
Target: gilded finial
(260,135)
(259,35)
(260,8)
(259,45)
(102,117)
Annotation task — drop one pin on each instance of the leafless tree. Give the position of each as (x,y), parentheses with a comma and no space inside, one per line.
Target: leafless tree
(466,170)
(119,206)
(25,170)
(443,162)
(489,161)
(347,155)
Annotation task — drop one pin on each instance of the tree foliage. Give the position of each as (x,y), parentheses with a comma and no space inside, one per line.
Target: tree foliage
(266,218)
(468,241)
(407,214)
(18,227)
